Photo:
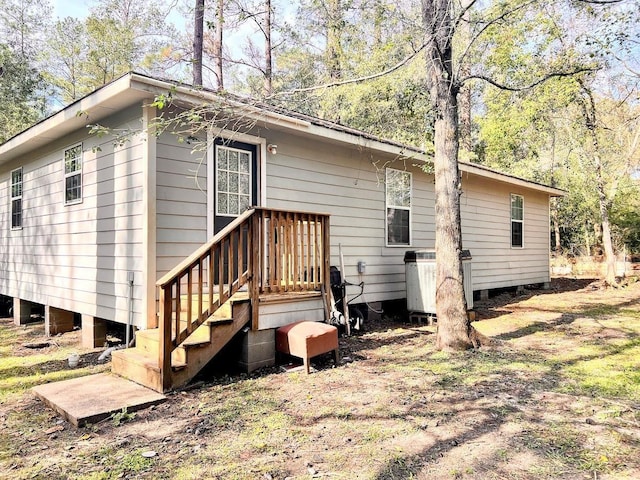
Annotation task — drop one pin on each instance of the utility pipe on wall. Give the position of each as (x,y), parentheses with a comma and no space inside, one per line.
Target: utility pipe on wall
(130,316)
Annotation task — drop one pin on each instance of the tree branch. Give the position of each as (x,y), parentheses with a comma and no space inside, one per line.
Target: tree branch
(464,11)
(601,2)
(403,62)
(540,81)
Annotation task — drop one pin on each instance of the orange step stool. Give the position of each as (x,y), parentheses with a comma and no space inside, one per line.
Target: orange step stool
(307,339)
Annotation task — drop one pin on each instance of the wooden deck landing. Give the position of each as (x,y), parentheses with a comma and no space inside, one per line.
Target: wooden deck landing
(95,397)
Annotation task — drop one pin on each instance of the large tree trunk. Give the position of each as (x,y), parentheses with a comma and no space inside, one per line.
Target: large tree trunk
(556,226)
(591,123)
(607,243)
(198,31)
(464,96)
(333,53)
(454,327)
(268,62)
(217,46)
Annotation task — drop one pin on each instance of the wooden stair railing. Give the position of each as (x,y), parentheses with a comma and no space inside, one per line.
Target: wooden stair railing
(272,251)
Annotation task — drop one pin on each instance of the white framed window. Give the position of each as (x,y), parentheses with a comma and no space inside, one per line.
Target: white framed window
(233,181)
(398,204)
(73,175)
(16,199)
(517,220)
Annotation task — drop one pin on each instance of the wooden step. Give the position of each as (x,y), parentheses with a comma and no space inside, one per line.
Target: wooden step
(177,366)
(142,365)
(138,366)
(213,321)
(147,341)
(196,357)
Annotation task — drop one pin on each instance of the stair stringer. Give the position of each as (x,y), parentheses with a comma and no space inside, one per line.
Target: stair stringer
(195,357)
(140,364)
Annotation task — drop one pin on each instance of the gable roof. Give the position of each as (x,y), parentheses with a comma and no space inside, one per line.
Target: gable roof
(134,88)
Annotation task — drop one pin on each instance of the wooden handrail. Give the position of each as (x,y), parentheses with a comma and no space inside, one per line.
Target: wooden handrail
(203,250)
(270,250)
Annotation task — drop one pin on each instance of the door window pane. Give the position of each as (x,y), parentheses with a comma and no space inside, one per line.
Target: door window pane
(233,181)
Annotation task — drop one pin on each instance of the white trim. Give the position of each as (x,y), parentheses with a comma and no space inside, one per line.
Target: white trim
(17,197)
(66,175)
(398,207)
(149,217)
(88,109)
(250,154)
(511,220)
(210,187)
(261,175)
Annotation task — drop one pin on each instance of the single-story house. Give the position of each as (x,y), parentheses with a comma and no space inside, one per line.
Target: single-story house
(152,232)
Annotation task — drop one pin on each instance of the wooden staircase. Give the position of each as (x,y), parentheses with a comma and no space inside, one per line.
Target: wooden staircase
(212,294)
(140,364)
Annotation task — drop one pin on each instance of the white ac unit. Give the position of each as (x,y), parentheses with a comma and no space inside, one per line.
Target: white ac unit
(420,277)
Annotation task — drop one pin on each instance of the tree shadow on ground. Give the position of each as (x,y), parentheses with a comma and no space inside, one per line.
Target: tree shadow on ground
(526,407)
(495,305)
(563,319)
(30,375)
(492,419)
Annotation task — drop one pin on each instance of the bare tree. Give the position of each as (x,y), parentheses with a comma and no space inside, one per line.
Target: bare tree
(198,33)
(454,328)
(268,49)
(217,45)
(441,20)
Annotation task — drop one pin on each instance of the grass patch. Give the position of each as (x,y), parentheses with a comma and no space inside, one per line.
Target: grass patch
(603,311)
(22,369)
(613,373)
(564,445)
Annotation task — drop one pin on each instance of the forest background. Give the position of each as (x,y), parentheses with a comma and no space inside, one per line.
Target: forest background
(359,63)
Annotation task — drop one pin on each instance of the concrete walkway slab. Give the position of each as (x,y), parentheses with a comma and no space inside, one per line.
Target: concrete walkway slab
(95,397)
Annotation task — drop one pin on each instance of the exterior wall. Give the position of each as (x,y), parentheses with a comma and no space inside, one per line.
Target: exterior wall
(345,183)
(349,184)
(486,232)
(181,209)
(278,314)
(77,257)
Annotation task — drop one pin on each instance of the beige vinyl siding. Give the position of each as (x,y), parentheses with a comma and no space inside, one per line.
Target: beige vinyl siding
(486,230)
(346,184)
(77,257)
(181,202)
(278,314)
(349,184)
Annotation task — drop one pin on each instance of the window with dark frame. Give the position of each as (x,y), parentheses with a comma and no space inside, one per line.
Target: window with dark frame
(517,220)
(398,205)
(73,175)
(16,198)
(233,181)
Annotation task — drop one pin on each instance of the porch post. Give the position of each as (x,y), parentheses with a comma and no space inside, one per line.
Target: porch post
(255,266)
(326,252)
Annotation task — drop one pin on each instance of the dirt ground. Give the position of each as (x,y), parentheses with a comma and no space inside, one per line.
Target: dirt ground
(556,396)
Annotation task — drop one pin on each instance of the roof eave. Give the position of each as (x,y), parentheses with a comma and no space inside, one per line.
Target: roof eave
(113,96)
(76,115)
